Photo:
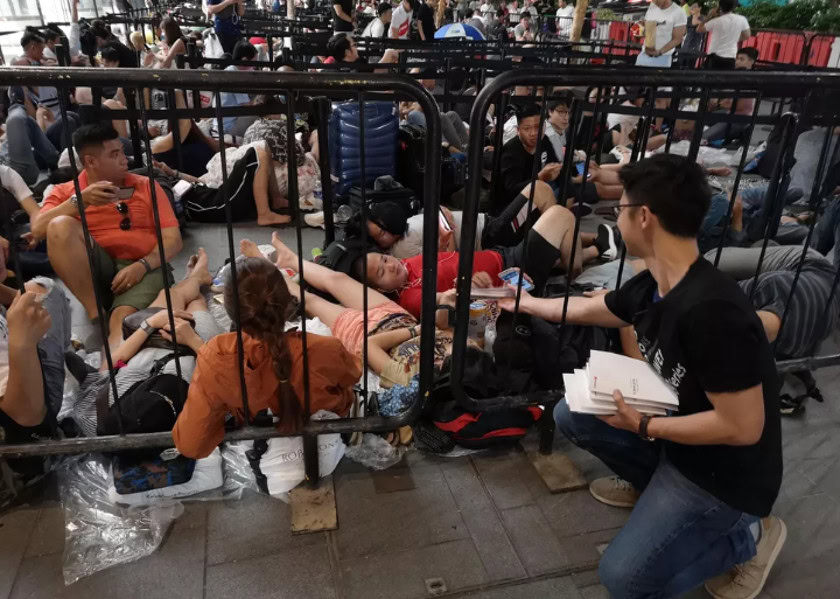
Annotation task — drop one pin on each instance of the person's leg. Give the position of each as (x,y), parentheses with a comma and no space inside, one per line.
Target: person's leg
(448,133)
(557,227)
(460,129)
(120,125)
(678,536)
(68,257)
(18,145)
(715,132)
(317,307)
(51,348)
(514,222)
(265,216)
(343,288)
(57,132)
(416,118)
(827,229)
(623,452)
(188,290)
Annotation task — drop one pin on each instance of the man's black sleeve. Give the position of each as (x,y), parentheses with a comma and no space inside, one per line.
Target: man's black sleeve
(632,297)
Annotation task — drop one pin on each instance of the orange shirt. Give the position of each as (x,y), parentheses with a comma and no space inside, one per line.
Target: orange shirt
(104,221)
(215,389)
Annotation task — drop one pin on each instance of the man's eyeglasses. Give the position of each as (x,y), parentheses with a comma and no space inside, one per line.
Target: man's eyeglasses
(125,223)
(617,209)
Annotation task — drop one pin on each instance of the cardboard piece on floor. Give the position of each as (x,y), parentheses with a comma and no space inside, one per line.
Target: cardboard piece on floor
(313,510)
(559,473)
(396,478)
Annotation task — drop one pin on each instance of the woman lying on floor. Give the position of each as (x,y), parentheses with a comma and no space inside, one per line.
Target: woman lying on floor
(393,333)
(134,361)
(274,372)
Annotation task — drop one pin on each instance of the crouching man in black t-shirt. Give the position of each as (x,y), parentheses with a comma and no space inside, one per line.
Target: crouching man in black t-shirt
(703,481)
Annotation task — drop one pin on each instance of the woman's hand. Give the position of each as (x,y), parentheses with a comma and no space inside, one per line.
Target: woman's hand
(184,332)
(158,320)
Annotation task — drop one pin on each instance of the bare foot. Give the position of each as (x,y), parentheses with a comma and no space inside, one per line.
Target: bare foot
(272,218)
(249,249)
(286,258)
(197,268)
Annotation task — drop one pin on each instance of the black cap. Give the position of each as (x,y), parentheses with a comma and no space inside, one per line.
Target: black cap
(391,216)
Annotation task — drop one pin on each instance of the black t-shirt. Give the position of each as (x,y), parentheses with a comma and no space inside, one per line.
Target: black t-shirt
(426,16)
(338,23)
(704,336)
(516,170)
(128,58)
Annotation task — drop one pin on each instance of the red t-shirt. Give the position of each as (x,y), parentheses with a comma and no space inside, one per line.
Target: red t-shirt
(104,221)
(411,297)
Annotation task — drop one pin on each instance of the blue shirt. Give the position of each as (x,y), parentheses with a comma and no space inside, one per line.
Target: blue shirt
(229,23)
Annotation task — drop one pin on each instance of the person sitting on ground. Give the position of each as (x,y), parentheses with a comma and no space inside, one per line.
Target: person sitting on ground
(34,334)
(393,333)
(197,149)
(704,480)
(194,326)
(275,375)
(721,132)
(522,32)
(473,20)
(104,37)
(138,42)
(453,131)
(517,164)
(236,125)
(546,245)
(128,271)
(28,147)
(378,27)
(174,43)
(342,48)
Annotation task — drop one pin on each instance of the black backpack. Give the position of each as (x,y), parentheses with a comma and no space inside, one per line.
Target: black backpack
(341,254)
(149,406)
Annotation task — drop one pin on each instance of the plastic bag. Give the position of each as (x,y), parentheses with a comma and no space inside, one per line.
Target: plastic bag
(375,452)
(282,463)
(98,534)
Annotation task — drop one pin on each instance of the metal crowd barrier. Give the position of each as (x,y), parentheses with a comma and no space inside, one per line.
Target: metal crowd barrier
(819,97)
(361,88)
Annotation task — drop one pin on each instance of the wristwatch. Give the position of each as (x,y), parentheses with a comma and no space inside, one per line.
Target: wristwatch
(643,427)
(147,328)
(74,200)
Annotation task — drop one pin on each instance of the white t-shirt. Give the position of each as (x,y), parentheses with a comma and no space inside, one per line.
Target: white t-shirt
(14,183)
(564,20)
(666,20)
(513,13)
(401,21)
(374,29)
(486,9)
(726,33)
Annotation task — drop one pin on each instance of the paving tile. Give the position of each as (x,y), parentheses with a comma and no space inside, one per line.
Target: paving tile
(485,527)
(555,588)
(582,550)
(402,574)
(16,526)
(175,570)
(586,578)
(48,534)
(535,542)
(370,523)
(597,591)
(509,477)
(254,526)
(578,512)
(295,572)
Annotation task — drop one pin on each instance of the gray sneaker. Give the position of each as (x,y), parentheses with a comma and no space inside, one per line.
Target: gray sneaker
(746,580)
(614,491)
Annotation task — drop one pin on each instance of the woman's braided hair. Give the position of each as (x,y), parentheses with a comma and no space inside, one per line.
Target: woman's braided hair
(264,306)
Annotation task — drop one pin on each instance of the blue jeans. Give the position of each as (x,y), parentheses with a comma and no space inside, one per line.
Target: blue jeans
(28,148)
(678,535)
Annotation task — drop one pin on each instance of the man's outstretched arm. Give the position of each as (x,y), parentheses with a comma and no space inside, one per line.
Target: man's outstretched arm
(581,310)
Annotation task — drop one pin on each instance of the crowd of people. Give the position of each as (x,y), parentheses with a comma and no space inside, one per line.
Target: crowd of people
(565,198)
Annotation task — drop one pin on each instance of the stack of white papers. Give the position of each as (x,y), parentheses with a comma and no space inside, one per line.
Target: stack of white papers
(590,390)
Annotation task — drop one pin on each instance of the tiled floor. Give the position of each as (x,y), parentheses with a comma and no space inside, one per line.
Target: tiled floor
(484,526)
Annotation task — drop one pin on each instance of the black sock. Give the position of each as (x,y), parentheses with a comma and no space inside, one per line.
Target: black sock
(602,241)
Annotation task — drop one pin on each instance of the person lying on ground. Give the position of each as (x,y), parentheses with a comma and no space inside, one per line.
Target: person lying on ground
(133,360)
(393,333)
(722,460)
(128,268)
(547,244)
(275,375)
